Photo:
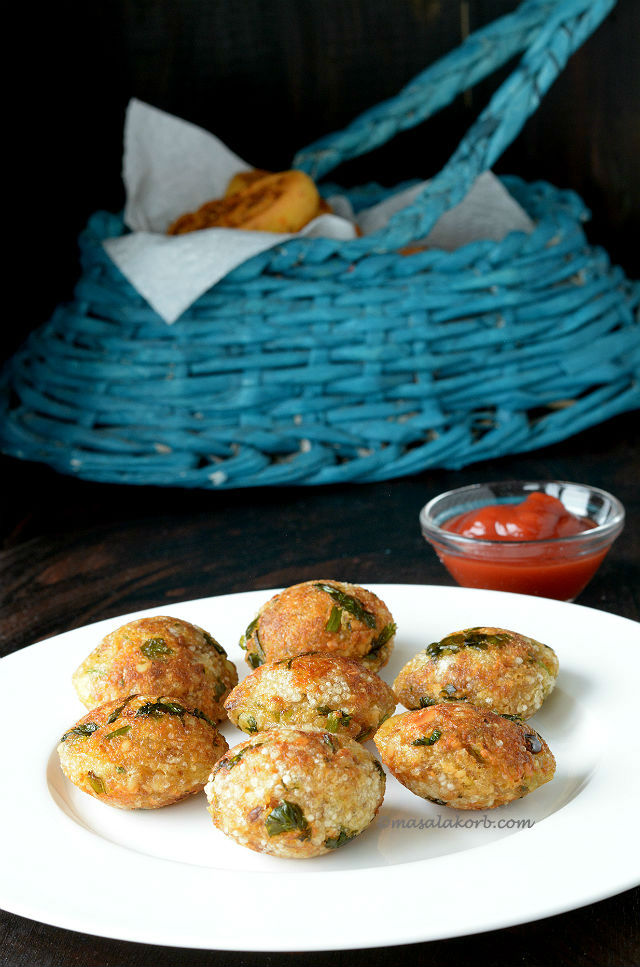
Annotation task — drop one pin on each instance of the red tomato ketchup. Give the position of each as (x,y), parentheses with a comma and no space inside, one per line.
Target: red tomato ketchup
(538,518)
(551,570)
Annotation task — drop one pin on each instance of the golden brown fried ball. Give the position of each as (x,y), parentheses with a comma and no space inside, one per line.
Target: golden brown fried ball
(321,691)
(283,201)
(329,616)
(458,755)
(295,793)
(141,752)
(158,656)
(489,667)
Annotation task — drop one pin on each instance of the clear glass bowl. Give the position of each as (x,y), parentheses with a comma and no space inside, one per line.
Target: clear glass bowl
(558,568)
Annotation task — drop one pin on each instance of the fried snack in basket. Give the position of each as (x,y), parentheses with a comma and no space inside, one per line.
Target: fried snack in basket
(244,179)
(282,202)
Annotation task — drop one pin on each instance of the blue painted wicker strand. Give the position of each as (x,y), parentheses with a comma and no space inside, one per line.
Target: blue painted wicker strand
(324,361)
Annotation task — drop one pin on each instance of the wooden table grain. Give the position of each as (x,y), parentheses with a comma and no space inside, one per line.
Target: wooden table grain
(75,552)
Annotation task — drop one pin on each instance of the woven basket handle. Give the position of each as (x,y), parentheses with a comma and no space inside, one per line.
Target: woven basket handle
(549,31)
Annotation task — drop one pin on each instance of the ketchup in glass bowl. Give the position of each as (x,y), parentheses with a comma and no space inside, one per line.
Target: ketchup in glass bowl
(541,538)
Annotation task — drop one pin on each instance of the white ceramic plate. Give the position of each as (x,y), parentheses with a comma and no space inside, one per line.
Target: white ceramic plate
(168,876)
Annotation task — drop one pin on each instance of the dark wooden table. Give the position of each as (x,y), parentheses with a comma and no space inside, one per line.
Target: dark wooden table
(75,552)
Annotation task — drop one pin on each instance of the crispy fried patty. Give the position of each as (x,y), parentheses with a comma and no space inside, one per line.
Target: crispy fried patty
(323,615)
(159,656)
(458,755)
(141,752)
(295,793)
(493,668)
(322,691)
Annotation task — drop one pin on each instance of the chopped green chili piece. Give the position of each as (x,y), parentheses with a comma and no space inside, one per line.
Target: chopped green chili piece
(387,632)
(335,842)
(348,603)
(121,731)
(425,701)
(512,718)
(332,722)
(251,627)
(285,818)
(335,619)
(249,723)
(96,783)
(156,648)
(219,689)
(534,660)
(337,720)
(257,656)
(323,709)
(84,729)
(248,632)
(428,739)
(211,641)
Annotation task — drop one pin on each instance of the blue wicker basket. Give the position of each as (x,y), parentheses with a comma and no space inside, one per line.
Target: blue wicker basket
(323,361)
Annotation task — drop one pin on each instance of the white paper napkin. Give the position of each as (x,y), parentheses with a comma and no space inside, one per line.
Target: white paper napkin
(171,167)
(487,211)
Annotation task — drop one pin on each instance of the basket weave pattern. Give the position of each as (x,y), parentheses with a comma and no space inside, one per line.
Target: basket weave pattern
(323,361)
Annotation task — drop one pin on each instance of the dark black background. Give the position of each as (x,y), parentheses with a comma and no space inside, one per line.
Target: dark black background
(269,76)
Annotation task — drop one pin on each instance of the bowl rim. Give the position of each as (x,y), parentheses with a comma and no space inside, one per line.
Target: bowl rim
(609,529)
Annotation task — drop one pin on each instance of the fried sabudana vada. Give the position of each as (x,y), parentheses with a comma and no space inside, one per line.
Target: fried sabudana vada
(321,616)
(141,752)
(295,793)
(493,668)
(328,692)
(158,656)
(455,754)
